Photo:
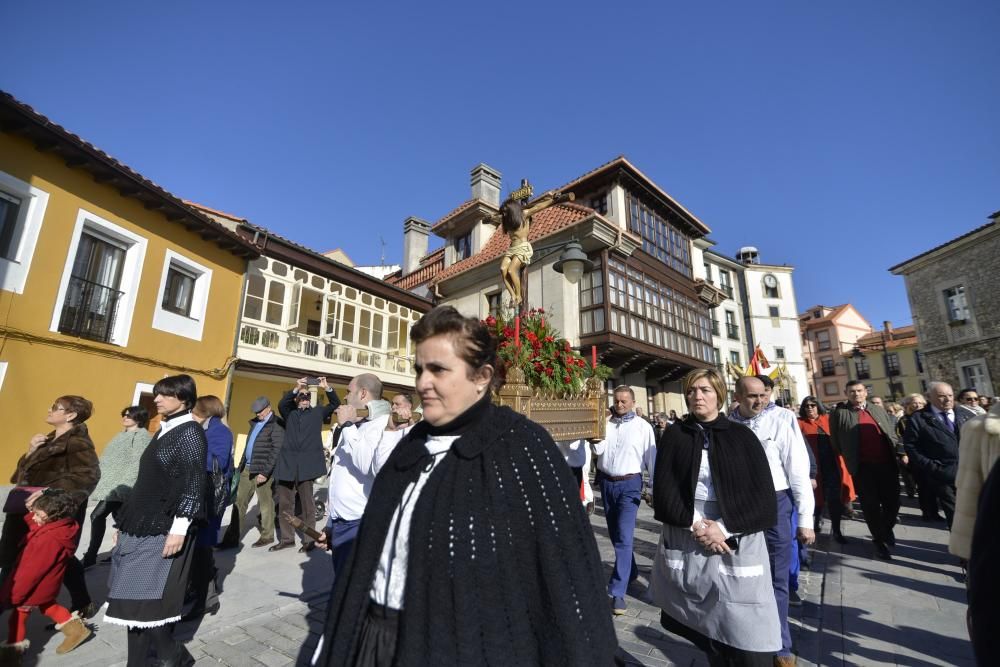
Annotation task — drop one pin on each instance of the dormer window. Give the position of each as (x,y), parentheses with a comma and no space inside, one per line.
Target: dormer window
(463,246)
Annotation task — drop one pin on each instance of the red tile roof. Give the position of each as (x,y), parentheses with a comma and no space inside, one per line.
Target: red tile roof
(464,206)
(900,337)
(431,264)
(18,117)
(545,223)
(622,161)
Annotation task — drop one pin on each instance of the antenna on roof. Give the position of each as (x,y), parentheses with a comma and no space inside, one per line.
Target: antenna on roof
(382,241)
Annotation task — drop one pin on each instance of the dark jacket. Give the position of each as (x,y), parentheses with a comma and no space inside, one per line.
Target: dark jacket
(68,462)
(301,456)
(932,446)
(503,563)
(171,483)
(265,448)
(844,432)
(740,474)
(41,563)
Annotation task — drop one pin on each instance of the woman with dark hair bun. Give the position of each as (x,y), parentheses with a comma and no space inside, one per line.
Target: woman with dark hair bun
(119,468)
(152,557)
(474,541)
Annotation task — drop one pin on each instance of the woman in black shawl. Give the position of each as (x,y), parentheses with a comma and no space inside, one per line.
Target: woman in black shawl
(474,548)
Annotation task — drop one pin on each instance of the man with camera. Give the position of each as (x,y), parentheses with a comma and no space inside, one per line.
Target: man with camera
(301,460)
(362,448)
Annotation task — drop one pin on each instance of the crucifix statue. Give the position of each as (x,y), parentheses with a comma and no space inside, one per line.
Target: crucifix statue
(515,217)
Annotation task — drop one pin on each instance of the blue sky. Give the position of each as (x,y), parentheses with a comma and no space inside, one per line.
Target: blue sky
(840,137)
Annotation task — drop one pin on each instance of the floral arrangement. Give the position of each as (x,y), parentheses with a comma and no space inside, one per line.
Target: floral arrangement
(549,362)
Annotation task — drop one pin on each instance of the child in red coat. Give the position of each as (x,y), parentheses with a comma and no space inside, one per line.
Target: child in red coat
(38,574)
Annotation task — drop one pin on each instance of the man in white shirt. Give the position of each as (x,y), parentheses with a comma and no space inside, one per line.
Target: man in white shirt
(355,463)
(628,448)
(789,462)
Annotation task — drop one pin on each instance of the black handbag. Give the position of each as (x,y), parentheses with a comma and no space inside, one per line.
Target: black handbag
(219,490)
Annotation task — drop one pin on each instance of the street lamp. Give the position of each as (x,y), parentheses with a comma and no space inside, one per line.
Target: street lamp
(573,262)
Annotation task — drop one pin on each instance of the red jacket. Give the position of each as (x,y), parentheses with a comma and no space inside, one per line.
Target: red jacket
(41,564)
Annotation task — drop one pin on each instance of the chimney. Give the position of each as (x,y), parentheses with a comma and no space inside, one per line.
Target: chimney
(486,184)
(416,232)
(887,327)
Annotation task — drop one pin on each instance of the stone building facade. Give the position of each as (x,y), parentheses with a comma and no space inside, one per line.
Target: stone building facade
(953,296)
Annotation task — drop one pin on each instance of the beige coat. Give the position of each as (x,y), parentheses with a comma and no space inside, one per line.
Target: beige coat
(978,452)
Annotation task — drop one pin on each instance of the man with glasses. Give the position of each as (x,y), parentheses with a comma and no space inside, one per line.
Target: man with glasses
(932,438)
(968,399)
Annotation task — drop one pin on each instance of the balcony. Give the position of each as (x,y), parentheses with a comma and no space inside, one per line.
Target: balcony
(728,289)
(89,310)
(732,331)
(260,342)
(828,371)
(715,327)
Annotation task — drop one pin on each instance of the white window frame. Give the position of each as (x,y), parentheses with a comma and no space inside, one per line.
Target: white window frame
(189,326)
(960,367)
(140,389)
(14,273)
(135,254)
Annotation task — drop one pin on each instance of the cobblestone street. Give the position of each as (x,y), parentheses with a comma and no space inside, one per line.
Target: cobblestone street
(856,610)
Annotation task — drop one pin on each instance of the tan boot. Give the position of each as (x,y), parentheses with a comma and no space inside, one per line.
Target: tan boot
(76,633)
(13,654)
(784,661)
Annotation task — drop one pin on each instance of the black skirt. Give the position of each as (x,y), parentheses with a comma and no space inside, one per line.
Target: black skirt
(379,635)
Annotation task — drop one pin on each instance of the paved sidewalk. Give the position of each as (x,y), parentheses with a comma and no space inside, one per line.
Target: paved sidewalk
(857,610)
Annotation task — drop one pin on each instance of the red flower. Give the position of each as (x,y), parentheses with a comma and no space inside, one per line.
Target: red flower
(508,332)
(491,321)
(549,370)
(566,379)
(549,339)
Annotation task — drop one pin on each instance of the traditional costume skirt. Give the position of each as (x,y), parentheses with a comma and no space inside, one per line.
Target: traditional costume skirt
(379,635)
(726,597)
(145,589)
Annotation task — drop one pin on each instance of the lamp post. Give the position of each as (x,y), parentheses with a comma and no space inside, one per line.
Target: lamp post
(572,262)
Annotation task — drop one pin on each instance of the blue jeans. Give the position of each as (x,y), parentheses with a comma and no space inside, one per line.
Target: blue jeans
(798,553)
(779,548)
(341,536)
(621,505)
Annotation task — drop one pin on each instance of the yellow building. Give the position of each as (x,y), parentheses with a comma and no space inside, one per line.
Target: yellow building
(888,362)
(107,283)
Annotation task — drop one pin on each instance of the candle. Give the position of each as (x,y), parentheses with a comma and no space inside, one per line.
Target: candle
(517,331)
(593,356)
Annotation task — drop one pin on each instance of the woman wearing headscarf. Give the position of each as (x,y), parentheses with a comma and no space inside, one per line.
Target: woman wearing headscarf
(474,547)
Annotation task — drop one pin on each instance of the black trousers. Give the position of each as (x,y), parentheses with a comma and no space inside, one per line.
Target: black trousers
(877,485)
(926,492)
(719,654)
(945,493)
(98,525)
(830,475)
(202,577)
(160,638)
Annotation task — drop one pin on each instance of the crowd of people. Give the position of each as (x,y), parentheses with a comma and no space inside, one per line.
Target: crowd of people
(460,531)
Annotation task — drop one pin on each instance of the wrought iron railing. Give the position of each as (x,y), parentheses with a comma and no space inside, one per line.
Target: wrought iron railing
(89,310)
(733,331)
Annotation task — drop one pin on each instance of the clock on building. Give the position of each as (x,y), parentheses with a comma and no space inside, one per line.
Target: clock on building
(770,281)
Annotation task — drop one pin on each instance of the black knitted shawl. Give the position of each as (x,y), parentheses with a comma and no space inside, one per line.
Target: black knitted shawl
(741,475)
(172,482)
(503,566)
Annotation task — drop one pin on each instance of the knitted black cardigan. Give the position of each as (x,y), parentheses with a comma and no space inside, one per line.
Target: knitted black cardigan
(503,566)
(741,475)
(172,482)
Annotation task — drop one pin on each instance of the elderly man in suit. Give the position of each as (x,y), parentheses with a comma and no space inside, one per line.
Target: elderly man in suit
(931,439)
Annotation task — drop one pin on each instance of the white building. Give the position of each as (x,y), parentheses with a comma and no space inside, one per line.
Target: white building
(759,309)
